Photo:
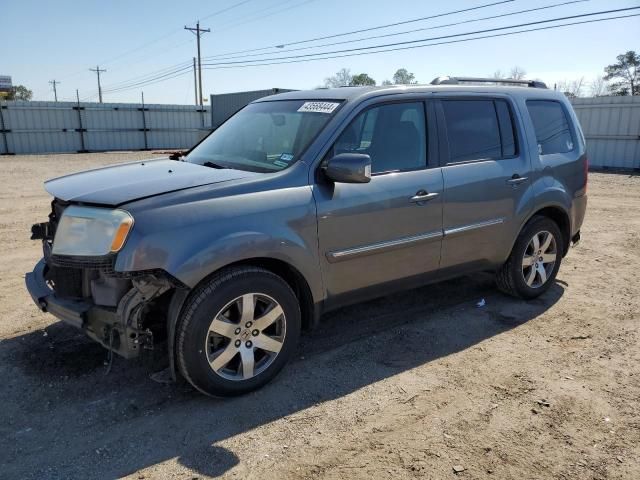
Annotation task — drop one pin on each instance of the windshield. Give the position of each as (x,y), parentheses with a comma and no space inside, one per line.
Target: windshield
(265,136)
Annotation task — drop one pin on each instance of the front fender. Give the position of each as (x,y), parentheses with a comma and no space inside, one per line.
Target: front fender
(192,240)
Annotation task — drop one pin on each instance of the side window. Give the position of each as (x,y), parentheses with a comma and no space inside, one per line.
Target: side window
(393,135)
(551,126)
(472,130)
(507,129)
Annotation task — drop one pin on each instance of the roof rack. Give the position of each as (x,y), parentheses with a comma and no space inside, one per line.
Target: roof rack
(509,81)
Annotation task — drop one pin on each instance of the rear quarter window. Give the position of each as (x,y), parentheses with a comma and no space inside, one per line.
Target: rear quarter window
(551,126)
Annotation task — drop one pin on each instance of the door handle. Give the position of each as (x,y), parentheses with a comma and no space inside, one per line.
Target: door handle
(516,179)
(423,196)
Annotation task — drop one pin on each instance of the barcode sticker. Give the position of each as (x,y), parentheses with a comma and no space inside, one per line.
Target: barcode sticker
(318,107)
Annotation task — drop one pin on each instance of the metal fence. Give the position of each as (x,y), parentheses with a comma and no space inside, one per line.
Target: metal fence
(612,128)
(50,127)
(226,104)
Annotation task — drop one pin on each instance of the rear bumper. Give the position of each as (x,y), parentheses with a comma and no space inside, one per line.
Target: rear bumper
(578,210)
(102,324)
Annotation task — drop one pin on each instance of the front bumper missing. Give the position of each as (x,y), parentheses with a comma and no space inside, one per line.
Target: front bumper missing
(105,325)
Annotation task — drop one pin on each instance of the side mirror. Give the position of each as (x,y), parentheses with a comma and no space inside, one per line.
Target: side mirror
(349,168)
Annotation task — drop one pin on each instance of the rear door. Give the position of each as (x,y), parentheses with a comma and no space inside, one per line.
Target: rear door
(389,229)
(486,173)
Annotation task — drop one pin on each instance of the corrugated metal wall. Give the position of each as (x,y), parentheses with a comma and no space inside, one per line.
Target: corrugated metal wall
(226,104)
(611,126)
(50,127)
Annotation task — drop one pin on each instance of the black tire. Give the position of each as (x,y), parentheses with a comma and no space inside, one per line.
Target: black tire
(510,278)
(192,331)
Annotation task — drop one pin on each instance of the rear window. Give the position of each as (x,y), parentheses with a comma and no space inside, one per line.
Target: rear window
(479,129)
(551,126)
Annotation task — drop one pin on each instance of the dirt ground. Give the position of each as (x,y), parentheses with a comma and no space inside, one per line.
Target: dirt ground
(408,386)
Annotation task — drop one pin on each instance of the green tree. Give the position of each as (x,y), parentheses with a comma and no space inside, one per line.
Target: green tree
(404,77)
(20,92)
(362,79)
(626,72)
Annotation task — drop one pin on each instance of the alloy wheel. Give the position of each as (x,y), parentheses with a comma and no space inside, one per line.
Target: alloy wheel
(539,259)
(245,337)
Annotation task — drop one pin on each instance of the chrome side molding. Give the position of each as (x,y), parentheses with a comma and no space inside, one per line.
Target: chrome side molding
(348,254)
(473,226)
(374,248)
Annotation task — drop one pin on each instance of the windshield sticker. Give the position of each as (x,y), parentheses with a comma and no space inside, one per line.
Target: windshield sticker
(286,157)
(318,107)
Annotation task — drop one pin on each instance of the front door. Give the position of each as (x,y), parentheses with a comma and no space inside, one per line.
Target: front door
(391,228)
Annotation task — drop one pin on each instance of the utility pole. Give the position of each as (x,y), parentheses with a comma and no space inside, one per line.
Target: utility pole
(98,70)
(55,92)
(198,33)
(195,81)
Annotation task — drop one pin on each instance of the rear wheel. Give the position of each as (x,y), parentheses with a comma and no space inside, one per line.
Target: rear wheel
(534,261)
(237,331)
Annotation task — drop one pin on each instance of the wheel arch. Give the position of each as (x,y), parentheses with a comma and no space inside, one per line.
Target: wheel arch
(290,274)
(560,216)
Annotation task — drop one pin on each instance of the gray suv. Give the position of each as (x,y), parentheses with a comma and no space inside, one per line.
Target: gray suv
(306,201)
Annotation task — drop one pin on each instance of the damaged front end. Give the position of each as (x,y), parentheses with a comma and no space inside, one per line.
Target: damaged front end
(126,312)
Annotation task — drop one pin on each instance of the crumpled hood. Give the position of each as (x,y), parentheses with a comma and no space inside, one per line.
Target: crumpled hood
(118,184)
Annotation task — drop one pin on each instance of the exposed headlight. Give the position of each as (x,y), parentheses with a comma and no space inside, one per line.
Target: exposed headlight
(89,231)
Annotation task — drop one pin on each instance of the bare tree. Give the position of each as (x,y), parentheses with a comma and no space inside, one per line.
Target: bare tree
(571,88)
(517,73)
(498,74)
(599,87)
(342,78)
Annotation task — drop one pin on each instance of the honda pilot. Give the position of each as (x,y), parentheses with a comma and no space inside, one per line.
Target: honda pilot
(306,201)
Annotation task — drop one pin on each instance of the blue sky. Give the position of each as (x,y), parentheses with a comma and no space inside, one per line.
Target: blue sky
(61,40)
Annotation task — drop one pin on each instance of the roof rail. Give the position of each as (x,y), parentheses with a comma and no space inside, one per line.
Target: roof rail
(509,81)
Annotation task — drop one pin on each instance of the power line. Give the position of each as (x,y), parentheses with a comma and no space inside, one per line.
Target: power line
(231,7)
(168,72)
(150,75)
(551,27)
(259,16)
(381,49)
(369,29)
(410,47)
(158,39)
(406,32)
(172,32)
(98,70)
(167,76)
(407,42)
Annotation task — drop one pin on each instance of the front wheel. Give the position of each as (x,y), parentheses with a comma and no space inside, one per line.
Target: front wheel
(534,261)
(237,331)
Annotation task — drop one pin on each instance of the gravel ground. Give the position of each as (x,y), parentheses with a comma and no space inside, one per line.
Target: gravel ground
(418,385)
